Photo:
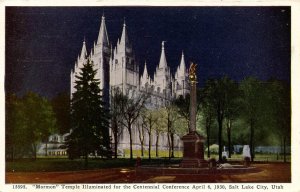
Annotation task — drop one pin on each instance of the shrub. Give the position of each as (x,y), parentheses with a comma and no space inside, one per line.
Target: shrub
(214,149)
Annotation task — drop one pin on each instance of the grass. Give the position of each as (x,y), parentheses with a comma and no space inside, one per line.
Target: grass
(44,164)
(64,164)
(161,154)
(258,157)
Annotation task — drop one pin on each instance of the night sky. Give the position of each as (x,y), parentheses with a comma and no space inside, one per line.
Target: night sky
(42,43)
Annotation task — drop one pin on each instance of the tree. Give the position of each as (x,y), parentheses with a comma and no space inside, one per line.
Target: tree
(90,120)
(231,111)
(131,107)
(169,116)
(141,124)
(116,117)
(252,104)
(208,112)
(183,105)
(61,107)
(280,111)
(11,101)
(150,118)
(30,121)
(221,94)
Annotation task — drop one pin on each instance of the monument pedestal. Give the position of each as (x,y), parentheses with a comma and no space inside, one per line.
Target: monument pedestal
(193,151)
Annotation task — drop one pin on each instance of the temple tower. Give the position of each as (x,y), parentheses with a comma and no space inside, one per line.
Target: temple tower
(181,86)
(124,70)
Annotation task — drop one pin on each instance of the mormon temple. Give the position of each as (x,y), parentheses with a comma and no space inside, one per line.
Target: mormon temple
(117,68)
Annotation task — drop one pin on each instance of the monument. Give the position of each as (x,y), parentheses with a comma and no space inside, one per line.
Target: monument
(193,148)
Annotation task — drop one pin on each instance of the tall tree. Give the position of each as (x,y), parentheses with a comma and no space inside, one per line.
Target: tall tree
(141,127)
(90,120)
(61,107)
(169,117)
(252,104)
(150,119)
(208,113)
(116,117)
(280,97)
(231,111)
(183,105)
(33,122)
(131,107)
(10,125)
(221,93)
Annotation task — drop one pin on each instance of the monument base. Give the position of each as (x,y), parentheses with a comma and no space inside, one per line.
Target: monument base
(193,151)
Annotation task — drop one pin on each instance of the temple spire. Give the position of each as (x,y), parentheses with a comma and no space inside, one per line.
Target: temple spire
(103,37)
(83,53)
(145,74)
(182,67)
(162,61)
(124,36)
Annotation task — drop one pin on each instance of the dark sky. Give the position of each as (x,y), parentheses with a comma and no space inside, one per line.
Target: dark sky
(42,43)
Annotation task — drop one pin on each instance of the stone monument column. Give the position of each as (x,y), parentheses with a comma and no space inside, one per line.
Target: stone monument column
(193,99)
(193,151)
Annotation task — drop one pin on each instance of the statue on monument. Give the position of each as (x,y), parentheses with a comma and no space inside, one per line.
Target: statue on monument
(193,152)
(192,72)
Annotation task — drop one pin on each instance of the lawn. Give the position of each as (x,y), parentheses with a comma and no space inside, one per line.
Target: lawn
(65,164)
(161,153)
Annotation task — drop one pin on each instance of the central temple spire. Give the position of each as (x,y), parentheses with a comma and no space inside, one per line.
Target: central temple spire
(163,60)
(103,37)
(181,69)
(124,36)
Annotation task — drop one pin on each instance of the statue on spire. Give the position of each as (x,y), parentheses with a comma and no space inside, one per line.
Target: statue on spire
(192,73)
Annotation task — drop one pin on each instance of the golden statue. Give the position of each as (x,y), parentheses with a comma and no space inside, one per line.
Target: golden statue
(192,72)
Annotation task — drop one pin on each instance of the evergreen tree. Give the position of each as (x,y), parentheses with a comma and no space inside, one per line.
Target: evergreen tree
(90,120)
(61,107)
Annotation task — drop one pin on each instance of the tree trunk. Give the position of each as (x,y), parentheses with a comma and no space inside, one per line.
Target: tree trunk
(169,144)
(252,140)
(142,148)
(156,144)
(142,138)
(229,142)
(208,136)
(220,140)
(86,156)
(116,143)
(34,151)
(220,122)
(149,147)
(130,141)
(229,123)
(46,148)
(172,145)
(284,149)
